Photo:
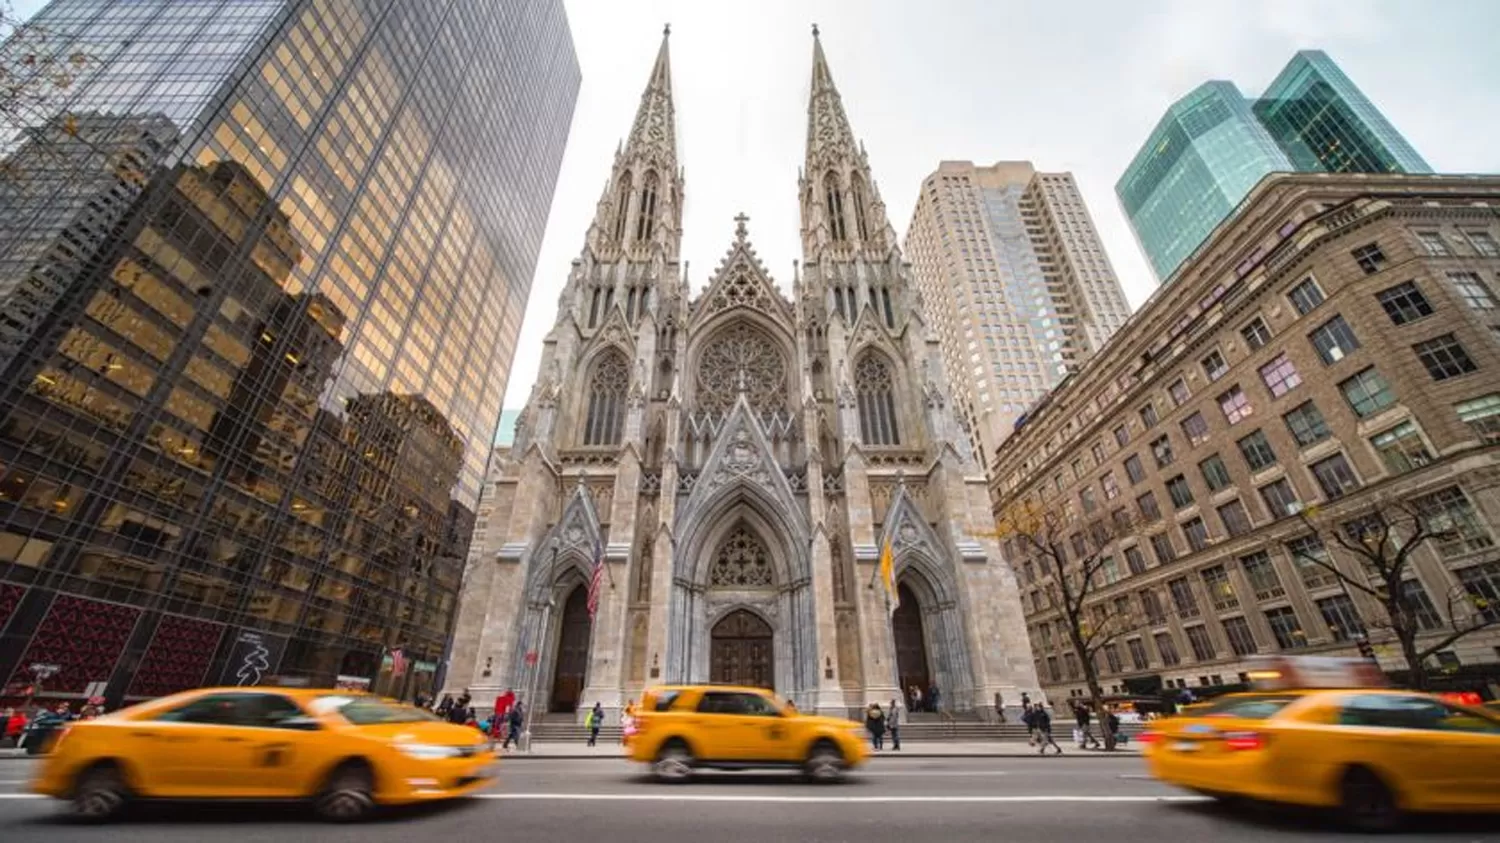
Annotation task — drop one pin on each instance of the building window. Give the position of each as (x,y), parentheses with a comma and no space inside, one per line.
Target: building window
(1306,424)
(1311,559)
(1148,416)
(1369,257)
(1483,243)
(1151,604)
(1179,392)
(1334,476)
(1122,436)
(1472,290)
(1444,357)
(1482,583)
(606,411)
(1135,560)
(1421,606)
(1182,597)
(1052,668)
(1452,518)
(1138,654)
(1235,404)
(1286,628)
(1196,531)
(1256,333)
(1401,448)
(1367,393)
(1482,415)
(1112,658)
(1433,244)
(1280,376)
(1161,449)
(1098,452)
(1214,366)
(1110,487)
(875,389)
(1070,662)
(1134,470)
(1305,296)
(1280,498)
(1179,491)
(1257,451)
(1235,517)
(1215,475)
(1262,575)
(1161,545)
(1167,649)
(1334,340)
(1241,641)
(1220,590)
(1404,303)
(1086,499)
(1149,509)
(1203,646)
(1342,618)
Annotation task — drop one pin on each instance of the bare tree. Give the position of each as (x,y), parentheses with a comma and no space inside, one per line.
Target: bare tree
(1072,554)
(1384,537)
(39,72)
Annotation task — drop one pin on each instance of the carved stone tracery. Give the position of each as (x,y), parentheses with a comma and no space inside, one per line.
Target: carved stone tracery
(741,562)
(741,358)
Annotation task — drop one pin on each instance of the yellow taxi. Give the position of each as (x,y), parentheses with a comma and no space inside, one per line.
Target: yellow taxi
(344,751)
(1326,732)
(681,728)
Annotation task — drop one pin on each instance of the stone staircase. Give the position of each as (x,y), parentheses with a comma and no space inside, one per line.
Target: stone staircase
(919,727)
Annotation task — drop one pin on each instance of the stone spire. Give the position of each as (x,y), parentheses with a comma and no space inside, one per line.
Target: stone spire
(653,136)
(829,137)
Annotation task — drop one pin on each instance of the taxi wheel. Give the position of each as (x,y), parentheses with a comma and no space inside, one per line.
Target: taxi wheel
(674,763)
(349,794)
(825,763)
(1368,803)
(100,794)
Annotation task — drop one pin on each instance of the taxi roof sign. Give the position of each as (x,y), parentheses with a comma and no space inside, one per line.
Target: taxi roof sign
(1281,673)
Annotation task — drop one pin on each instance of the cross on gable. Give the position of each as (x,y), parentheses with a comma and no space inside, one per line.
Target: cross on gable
(740,232)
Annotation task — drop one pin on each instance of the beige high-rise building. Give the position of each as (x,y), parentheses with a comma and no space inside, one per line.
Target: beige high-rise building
(1016,282)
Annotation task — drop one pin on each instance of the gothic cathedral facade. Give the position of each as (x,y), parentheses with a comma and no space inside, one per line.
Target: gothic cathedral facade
(738,459)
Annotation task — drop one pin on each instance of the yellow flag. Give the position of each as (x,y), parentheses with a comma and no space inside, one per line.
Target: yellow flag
(888,574)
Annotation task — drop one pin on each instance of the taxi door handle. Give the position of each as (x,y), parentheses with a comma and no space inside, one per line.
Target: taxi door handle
(232,740)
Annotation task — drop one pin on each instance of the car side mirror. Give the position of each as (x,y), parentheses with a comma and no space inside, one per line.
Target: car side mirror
(301,723)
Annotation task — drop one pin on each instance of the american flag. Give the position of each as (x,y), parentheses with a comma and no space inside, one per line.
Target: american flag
(398,661)
(596,579)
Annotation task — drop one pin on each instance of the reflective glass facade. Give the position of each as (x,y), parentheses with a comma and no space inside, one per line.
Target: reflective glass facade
(1213,145)
(243,431)
(1326,123)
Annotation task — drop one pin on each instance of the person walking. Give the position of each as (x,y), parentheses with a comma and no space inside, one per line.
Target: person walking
(517,722)
(893,722)
(914,699)
(875,723)
(1043,723)
(1081,717)
(594,721)
(627,722)
(934,700)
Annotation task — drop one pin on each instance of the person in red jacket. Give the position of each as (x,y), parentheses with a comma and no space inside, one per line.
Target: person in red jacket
(12,723)
(502,708)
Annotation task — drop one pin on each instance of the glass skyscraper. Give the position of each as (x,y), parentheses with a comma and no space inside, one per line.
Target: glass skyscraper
(1214,145)
(273,276)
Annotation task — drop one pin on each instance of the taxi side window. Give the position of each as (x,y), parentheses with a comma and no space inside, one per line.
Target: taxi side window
(720,702)
(266,711)
(215,709)
(755,705)
(1401,712)
(273,711)
(664,700)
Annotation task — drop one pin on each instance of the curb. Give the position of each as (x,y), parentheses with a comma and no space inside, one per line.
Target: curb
(924,755)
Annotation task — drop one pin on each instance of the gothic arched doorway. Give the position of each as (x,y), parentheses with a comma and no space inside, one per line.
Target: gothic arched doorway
(739,652)
(572,652)
(911,643)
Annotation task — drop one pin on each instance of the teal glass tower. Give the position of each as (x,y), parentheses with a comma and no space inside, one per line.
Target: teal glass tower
(1213,145)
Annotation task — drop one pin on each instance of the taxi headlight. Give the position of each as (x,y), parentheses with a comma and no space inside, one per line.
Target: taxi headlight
(428,751)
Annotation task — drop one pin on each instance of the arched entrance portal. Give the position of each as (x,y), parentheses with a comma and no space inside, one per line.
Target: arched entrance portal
(911,643)
(572,652)
(740,651)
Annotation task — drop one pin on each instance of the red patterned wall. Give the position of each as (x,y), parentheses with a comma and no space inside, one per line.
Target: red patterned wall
(178,657)
(82,637)
(10,598)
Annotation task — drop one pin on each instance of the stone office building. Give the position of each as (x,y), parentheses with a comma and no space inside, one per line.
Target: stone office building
(1335,344)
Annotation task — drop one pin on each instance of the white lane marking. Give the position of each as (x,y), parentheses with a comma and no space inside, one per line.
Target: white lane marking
(21,796)
(923,774)
(1137,778)
(703,797)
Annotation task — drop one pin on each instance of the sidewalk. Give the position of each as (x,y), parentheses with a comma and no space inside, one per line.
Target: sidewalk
(953,749)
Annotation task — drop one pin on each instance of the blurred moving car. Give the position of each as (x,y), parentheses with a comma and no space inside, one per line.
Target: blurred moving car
(1326,733)
(681,728)
(344,751)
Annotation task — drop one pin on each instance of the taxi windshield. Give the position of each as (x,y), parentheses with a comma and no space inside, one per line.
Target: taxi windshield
(371,711)
(1257,707)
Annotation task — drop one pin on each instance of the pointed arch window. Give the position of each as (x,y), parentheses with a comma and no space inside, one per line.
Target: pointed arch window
(594,300)
(645,224)
(742,562)
(835,202)
(622,208)
(875,388)
(608,384)
(861,222)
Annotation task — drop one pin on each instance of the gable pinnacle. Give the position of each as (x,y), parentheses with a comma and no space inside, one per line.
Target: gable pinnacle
(740,231)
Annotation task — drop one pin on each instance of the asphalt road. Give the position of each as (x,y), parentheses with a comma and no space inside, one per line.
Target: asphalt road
(894,800)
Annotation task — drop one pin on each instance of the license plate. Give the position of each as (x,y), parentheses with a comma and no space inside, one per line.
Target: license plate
(1185,746)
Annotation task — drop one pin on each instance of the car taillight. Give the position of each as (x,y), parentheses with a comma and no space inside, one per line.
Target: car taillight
(1148,737)
(1244,740)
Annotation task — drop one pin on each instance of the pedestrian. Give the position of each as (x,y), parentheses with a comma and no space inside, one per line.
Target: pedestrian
(1112,723)
(627,722)
(1028,717)
(893,722)
(445,706)
(502,712)
(517,720)
(914,699)
(593,722)
(933,701)
(1081,718)
(875,723)
(1043,723)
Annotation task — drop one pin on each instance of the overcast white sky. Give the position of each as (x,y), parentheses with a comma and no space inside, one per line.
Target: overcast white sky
(1067,84)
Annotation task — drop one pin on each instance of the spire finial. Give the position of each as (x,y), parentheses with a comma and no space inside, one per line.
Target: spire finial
(815,30)
(666,30)
(740,231)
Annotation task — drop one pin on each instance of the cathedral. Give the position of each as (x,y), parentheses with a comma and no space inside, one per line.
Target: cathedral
(731,464)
